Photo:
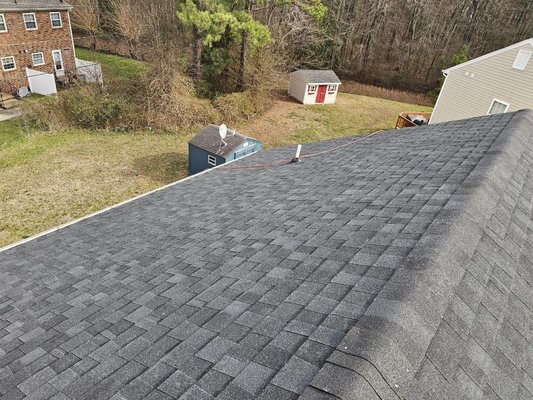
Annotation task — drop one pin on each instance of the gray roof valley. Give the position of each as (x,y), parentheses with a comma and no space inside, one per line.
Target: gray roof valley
(399,267)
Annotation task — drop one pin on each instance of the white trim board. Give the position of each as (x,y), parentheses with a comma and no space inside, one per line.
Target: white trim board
(60,227)
(494,53)
(438,98)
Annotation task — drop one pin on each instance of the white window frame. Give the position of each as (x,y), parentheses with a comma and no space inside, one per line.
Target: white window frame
(311,89)
(528,54)
(332,89)
(52,20)
(3,64)
(212,160)
(33,59)
(3,18)
(54,60)
(498,101)
(34,20)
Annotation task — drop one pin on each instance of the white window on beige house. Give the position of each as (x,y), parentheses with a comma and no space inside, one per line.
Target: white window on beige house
(30,21)
(3,24)
(498,107)
(8,63)
(55,17)
(38,59)
(522,59)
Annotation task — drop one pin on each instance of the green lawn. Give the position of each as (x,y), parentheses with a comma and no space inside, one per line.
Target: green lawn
(113,67)
(289,122)
(50,179)
(47,179)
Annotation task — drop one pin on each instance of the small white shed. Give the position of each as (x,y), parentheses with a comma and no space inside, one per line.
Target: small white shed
(314,86)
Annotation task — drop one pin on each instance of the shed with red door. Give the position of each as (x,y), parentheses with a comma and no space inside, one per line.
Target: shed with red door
(314,86)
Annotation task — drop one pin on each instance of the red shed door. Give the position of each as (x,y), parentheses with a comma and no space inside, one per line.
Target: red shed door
(321,94)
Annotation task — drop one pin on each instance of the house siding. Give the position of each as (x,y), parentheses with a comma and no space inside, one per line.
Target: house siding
(198,159)
(298,88)
(21,44)
(465,96)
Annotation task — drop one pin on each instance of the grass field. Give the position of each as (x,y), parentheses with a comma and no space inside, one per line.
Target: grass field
(47,179)
(114,67)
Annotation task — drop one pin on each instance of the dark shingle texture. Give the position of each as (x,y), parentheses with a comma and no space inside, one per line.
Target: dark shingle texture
(33,5)
(319,76)
(209,139)
(398,267)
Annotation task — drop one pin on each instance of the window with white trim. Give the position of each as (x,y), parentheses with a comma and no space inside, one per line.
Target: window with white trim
(55,17)
(311,89)
(38,59)
(522,59)
(30,21)
(3,24)
(8,63)
(498,107)
(332,89)
(212,160)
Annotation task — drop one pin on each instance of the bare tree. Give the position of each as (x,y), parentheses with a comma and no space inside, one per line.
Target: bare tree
(86,15)
(128,19)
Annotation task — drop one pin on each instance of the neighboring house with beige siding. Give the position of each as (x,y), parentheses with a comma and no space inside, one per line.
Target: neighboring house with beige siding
(501,81)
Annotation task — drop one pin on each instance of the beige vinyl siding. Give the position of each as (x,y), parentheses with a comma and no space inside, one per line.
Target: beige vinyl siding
(298,87)
(465,96)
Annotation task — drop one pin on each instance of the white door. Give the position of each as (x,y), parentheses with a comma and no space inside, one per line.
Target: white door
(58,63)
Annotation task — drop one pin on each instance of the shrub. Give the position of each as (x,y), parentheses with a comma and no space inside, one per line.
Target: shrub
(92,107)
(167,99)
(240,106)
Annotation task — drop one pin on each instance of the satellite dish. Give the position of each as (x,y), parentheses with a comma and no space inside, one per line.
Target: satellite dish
(223,131)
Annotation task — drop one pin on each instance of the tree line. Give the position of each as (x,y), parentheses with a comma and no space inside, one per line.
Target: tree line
(225,45)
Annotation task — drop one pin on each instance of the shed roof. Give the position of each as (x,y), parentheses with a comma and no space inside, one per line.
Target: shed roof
(33,5)
(318,76)
(209,140)
(397,267)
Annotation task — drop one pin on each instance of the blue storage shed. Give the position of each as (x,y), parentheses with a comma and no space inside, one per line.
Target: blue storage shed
(207,149)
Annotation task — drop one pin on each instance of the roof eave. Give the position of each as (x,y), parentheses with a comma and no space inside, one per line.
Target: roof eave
(23,9)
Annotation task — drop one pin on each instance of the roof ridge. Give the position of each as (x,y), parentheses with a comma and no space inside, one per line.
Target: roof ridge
(404,315)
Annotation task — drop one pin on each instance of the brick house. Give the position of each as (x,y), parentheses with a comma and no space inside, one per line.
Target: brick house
(34,34)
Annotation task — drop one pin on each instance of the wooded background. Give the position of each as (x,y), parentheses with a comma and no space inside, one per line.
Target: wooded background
(393,43)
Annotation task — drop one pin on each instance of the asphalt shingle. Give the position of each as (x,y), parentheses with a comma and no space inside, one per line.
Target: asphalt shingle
(397,267)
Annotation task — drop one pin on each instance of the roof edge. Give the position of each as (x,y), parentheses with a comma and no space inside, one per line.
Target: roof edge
(404,315)
(36,8)
(488,55)
(104,210)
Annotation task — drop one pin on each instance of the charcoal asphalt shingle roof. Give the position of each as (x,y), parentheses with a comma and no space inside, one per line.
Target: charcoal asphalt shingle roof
(209,139)
(399,267)
(33,5)
(319,76)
